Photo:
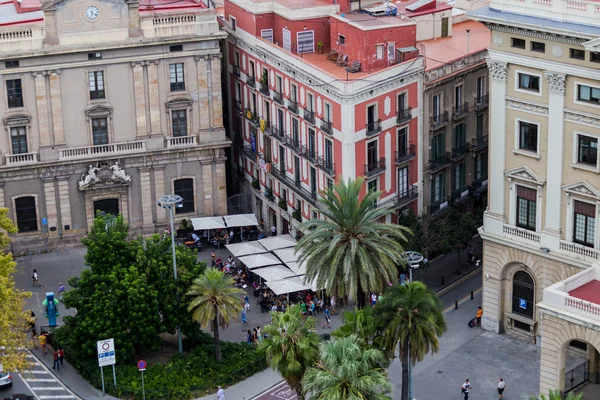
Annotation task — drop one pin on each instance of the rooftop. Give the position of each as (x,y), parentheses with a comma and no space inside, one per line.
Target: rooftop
(365,21)
(415,8)
(589,292)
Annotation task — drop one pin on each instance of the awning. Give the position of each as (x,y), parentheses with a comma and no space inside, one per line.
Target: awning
(259,260)
(287,255)
(208,223)
(289,285)
(297,267)
(312,285)
(278,242)
(245,248)
(239,220)
(274,273)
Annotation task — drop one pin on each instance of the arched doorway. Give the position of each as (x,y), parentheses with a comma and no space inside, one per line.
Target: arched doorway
(108,206)
(523,297)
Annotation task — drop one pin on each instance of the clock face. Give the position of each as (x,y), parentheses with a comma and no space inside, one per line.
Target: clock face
(92,13)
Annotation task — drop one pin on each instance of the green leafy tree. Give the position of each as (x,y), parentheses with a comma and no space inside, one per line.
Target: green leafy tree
(214,302)
(410,314)
(347,371)
(291,345)
(556,395)
(350,252)
(360,323)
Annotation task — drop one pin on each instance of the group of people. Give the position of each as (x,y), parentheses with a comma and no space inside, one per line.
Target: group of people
(255,336)
(466,388)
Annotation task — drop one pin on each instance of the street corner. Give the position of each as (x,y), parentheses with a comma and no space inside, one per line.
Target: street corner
(281,391)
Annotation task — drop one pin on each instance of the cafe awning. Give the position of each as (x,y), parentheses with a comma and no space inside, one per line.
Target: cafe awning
(208,223)
(274,273)
(245,248)
(288,285)
(278,242)
(259,260)
(240,220)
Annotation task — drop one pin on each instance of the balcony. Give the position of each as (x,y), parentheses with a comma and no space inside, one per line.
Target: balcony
(326,166)
(373,127)
(293,106)
(309,116)
(461,195)
(375,168)
(479,142)
(403,116)
(177,24)
(249,152)
(326,127)
(251,81)
(237,106)
(458,152)
(438,121)
(241,172)
(309,154)
(481,102)
(292,143)
(440,206)
(478,186)
(264,89)
(435,164)
(102,150)
(278,133)
(579,251)
(521,234)
(181,141)
(269,194)
(177,86)
(296,184)
(278,98)
(406,196)
(460,111)
(96,94)
(236,71)
(267,126)
(251,116)
(405,155)
(15,40)
(21,159)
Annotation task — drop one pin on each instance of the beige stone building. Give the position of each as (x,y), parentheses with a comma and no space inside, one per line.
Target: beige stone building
(541,239)
(108,105)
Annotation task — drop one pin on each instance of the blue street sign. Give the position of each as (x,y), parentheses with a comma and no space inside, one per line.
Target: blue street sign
(44,221)
(523,304)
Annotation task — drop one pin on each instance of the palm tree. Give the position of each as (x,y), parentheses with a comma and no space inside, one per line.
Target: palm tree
(351,252)
(360,323)
(214,302)
(412,317)
(291,345)
(346,371)
(555,395)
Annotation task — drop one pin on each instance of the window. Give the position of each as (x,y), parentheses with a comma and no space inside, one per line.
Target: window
(529,82)
(518,43)
(480,87)
(594,57)
(309,102)
(391,51)
(236,59)
(479,125)
(523,295)
(26,214)
(584,225)
(481,166)
(438,147)
(328,153)
(403,182)
(538,46)
(233,23)
(11,64)
(279,84)
(458,92)
(268,147)
(287,39)
(251,69)
(294,93)
(96,84)
(179,122)
(438,188)
(14,91)
(311,141)
(18,137)
(526,208)
(306,42)
(94,56)
(327,112)
(342,40)
(445,27)
(176,77)
(295,131)
(587,150)
(185,189)
(587,93)
(267,34)
(379,51)
(372,116)
(437,106)
(460,136)
(372,153)
(176,48)
(528,136)
(458,177)
(100,131)
(401,101)
(372,185)
(402,141)
(577,54)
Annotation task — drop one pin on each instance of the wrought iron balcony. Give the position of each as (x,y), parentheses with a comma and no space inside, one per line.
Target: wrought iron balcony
(278,97)
(236,70)
(403,115)
(479,186)
(269,194)
(326,165)
(326,127)
(251,116)
(373,127)
(481,102)
(405,155)
(177,86)
(278,133)
(460,111)
(439,206)
(438,121)
(264,89)
(375,168)
(459,151)
(309,116)
(251,81)
(292,143)
(293,106)
(250,152)
(460,195)
(406,196)
(96,94)
(479,142)
(309,154)
(439,162)
(237,105)
(295,184)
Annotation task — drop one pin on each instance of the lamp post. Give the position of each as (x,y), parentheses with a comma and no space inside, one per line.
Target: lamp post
(168,202)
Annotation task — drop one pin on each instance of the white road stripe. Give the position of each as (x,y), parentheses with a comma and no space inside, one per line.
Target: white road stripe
(57,397)
(40,380)
(47,388)
(71,395)
(36,372)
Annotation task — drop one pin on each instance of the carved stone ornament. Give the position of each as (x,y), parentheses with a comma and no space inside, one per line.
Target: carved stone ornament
(582,119)
(498,41)
(103,175)
(498,69)
(528,107)
(525,174)
(556,51)
(556,82)
(582,188)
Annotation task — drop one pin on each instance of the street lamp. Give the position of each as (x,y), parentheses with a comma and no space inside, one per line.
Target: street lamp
(168,202)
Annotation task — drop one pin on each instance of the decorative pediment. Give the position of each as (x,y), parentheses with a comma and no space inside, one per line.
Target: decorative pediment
(592,45)
(17,119)
(98,110)
(179,102)
(103,175)
(582,188)
(524,173)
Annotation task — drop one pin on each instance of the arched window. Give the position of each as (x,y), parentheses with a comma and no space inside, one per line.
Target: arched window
(523,294)
(185,189)
(26,214)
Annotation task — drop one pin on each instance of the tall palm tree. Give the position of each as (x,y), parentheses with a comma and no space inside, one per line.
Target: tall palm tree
(351,252)
(346,371)
(360,323)
(291,345)
(555,395)
(410,314)
(214,302)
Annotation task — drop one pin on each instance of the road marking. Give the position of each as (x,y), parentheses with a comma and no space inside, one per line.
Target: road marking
(57,381)
(59,396)
(47,388)
(36,372)
(40,380)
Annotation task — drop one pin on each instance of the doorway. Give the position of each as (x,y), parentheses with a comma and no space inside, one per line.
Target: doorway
(107,206)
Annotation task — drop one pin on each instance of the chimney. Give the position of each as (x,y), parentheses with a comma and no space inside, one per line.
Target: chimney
(468,41)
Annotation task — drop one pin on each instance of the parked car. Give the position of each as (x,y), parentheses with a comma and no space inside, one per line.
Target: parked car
(19,397)
(5,380)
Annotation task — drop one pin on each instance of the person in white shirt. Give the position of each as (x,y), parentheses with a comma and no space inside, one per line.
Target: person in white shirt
(501,387)
(465,388)
(195,237)
(220,394)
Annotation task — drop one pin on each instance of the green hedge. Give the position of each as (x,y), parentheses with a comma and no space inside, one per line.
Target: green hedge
(195,374)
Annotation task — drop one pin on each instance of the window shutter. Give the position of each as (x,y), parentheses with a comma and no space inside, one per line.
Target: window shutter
(585,209)
(267,34)
(306,42)
(287,40)
(391,47)
(527,193)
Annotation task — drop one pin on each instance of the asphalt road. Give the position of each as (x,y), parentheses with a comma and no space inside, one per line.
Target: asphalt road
(462,290)
(18,387)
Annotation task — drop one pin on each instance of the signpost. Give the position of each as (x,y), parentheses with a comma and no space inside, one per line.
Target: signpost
(106,356)
(142,367)
(523,304)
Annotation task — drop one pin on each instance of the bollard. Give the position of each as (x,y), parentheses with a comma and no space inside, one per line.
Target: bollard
(471,295)
(442,284)
(456,304)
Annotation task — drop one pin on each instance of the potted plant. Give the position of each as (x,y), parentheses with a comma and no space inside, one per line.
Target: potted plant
(255,183)
(298,215)
(282,204)
(320,47)
(264,79)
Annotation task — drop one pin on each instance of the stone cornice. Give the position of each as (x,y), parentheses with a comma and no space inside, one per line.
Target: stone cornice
(532,33)
(533,108)
(575,116)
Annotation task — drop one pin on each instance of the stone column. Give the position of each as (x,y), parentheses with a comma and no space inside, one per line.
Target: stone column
(65,204)
(56,103)
(153,94)
(2,202)
(203,100)
(207,187)
(42,108)
(50,198)
(551,232)
(140,99)
(216,96)
(146,190)
(220,177)
(159,185)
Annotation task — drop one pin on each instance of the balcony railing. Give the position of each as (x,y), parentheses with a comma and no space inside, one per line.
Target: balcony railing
(296,183)
(269,194)
(293,106)
(264,89)
(278,97)
(404,155)
(459,151)
(438,121)
(439,162)
(439,206)
(406,196)
(251,81)
(251,116)
(579,251)
(236,70)
(460,195)
(292,143)
(309,116)
(22,158)
(309,154)
(181,141)
(521,234)
(102,150)
(326,127)
(375,168)
(278,133)
(15,102)
(96,94)
(267,127)
(479,185)
(237,105)
(177,86)
(479,142)
(403,115)
(373,127)
(250,152)
(460,111)
(481,102)
(326,165)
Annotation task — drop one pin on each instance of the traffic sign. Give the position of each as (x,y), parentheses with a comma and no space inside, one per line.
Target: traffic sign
(141,365)
(523,304)
(106,352)
(44,221)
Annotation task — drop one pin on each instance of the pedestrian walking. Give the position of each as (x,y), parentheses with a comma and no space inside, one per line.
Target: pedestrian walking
(213,259)
(56,364)
(327,318)
(34,338)
(479,315)
(259,332)
(332,303)
(501,387)
(35,279)
(273,230)
(465,388)
(244,319)
(220,394)
(61,355)
(255,336)
(33,320)
(61,290)
(43,342)
(373,299)
(249,337)
(246,301)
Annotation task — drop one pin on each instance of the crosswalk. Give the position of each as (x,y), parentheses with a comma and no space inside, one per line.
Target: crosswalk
(43,384)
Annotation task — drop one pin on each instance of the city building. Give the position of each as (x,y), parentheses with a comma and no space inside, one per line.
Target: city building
(541,239)
(108,105)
